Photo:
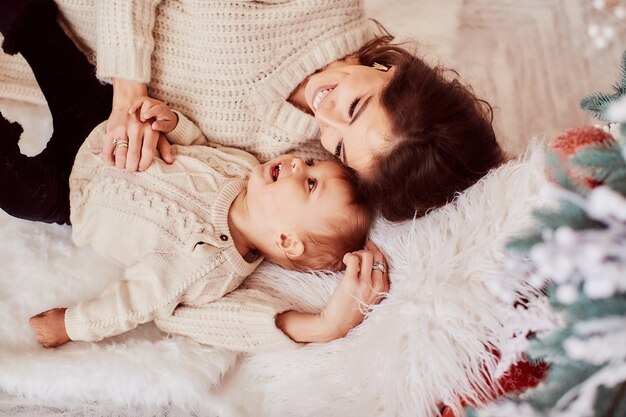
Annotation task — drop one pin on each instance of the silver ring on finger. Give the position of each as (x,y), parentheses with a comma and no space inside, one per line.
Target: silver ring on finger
(379,266)
(120,143)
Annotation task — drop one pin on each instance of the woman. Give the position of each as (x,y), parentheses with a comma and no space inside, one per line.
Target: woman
(277,76)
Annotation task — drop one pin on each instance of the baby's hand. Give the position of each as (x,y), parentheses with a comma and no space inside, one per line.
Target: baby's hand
(165,120)
(50,327)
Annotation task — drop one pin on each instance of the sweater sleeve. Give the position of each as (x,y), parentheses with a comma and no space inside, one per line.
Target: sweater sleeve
(124,39)
(186,132)
(151,288)
(243,320)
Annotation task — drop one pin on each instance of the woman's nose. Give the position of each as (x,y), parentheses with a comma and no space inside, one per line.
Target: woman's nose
(329,116)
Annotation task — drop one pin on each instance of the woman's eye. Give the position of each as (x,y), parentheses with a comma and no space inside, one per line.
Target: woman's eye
(338,149)
(311,182)
(352,108)
(309,162)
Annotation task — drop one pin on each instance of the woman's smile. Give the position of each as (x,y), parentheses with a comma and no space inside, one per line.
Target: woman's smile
(320,95)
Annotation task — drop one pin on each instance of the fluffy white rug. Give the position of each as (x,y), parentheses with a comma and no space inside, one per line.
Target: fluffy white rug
(423,345)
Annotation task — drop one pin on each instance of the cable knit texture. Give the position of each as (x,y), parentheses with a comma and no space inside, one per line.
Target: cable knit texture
(168,227)
(229,66)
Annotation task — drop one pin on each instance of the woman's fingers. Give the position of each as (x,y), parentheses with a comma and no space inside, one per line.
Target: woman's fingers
(371,246)
(108,149)
(148,149)
(129,155)
(116,129)
(373,283)
(165,149)
(365,273)
(119,153)
(380,279)
(137,144)
(133,140)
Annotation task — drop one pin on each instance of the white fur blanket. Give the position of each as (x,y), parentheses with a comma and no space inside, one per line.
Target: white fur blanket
(424,344)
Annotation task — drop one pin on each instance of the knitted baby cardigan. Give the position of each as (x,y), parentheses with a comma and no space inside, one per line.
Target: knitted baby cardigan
(228,65)
(168,227)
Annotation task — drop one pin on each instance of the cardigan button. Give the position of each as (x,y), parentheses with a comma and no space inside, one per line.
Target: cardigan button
(224,238)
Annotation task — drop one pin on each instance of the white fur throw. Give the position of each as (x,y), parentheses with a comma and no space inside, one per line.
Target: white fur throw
(423,345)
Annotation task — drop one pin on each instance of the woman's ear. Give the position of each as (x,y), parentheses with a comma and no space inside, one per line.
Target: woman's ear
(290,244)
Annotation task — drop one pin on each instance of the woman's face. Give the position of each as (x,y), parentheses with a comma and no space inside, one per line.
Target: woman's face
(345,100)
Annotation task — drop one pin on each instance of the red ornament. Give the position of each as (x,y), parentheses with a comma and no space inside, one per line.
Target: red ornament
(571,142)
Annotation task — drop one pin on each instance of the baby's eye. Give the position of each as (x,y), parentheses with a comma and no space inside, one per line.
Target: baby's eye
(311,183)
(309,162)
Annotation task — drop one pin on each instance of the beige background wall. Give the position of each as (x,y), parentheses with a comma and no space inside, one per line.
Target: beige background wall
(532,59)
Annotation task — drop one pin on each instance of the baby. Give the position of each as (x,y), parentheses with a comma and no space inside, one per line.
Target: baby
(193,230)
(187,233)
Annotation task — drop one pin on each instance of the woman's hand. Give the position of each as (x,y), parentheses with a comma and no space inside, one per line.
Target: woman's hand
(361,286)
(142,144)
(49,327)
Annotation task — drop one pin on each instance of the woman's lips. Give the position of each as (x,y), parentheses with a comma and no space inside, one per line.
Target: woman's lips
(320,96)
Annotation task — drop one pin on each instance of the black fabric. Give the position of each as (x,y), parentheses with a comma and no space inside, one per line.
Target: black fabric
(37,188)
(13,15)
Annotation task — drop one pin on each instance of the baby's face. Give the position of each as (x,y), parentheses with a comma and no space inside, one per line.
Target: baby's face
(293,195)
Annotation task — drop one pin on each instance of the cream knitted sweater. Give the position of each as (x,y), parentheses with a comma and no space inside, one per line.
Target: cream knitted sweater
(168,227)
(229,66)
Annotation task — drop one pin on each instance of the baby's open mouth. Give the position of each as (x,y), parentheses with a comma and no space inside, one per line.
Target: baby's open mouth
(275,172)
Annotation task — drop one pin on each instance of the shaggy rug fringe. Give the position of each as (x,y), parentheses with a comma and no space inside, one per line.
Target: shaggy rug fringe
(427,343)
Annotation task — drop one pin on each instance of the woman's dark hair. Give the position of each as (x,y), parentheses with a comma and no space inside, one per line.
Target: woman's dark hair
(443,139)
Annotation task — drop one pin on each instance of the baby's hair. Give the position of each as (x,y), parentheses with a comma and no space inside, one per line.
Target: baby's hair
(350,228)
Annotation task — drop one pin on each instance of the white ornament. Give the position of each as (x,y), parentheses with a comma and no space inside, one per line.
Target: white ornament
(565,236)
(605,203)
(593,30)
(562,267)
(536,281)
(599,4)
(608,32)
(617,111)
(540,253)
(600,42)
(566,293)
(599,288)
(592,254)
